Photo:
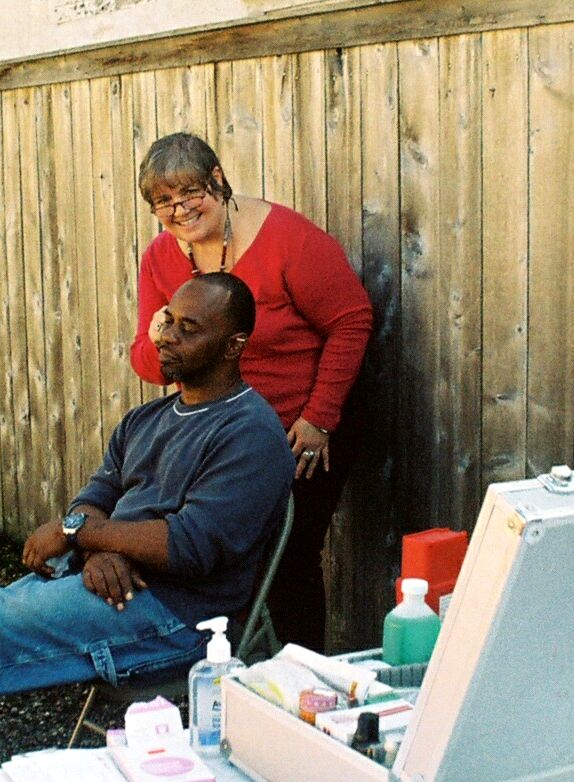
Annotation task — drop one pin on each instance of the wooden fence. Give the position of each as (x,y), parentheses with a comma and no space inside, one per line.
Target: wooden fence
(444,164)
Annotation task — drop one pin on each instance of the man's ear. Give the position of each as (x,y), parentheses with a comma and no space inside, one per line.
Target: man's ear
(217,175)
(235,345)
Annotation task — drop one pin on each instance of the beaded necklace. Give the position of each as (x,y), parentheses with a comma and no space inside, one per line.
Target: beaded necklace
(227,237)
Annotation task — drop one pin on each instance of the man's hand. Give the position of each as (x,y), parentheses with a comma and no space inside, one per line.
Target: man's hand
(113,577)
(45,542)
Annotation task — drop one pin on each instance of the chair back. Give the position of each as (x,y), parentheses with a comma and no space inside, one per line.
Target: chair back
(252,635)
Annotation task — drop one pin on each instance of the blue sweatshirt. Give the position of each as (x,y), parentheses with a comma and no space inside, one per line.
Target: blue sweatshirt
(219,474)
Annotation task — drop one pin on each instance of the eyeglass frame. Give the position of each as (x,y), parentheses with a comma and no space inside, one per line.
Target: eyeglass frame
(184,203)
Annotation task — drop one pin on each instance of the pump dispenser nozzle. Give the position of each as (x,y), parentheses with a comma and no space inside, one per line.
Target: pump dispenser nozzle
(219,648)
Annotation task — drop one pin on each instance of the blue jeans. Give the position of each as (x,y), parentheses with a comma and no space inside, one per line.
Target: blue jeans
(54,631)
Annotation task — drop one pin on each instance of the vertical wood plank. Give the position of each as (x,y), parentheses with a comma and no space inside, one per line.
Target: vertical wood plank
(83,269)
(126,270)
(460,281)
(145,132)
(309,163)
(8,214)
(371,483)
(108,275)
(343,123)
(505,255)
(550,434)
(220,119)
(419,376)
(247,128)
(72,364)
(196,89)
(277,81)
(54,468)
(32,454)
(172,101)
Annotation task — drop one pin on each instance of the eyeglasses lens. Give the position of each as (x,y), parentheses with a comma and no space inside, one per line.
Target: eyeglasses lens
(168,210)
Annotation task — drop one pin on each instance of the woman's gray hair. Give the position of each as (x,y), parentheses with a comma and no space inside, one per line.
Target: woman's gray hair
(180,160)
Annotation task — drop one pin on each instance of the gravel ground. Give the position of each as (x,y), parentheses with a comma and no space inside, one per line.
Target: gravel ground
(45,718)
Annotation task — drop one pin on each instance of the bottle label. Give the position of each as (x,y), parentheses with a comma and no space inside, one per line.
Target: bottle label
(209,713)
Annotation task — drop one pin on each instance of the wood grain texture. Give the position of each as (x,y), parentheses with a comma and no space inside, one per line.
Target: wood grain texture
(420,326)
(277,130)
(550,431)
(8,480)
(90,306)
(460,279)
(375,23)
(443,166)
(309,161)
(20,446)
(505,255)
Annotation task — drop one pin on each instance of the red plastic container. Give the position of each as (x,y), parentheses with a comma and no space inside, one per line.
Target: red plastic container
(435,555)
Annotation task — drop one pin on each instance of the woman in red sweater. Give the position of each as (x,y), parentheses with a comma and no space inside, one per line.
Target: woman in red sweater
(313,323)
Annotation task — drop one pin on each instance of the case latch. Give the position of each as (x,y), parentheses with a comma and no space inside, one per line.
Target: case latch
(560,480)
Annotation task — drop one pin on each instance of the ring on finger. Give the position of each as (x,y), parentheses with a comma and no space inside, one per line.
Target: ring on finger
(308,454)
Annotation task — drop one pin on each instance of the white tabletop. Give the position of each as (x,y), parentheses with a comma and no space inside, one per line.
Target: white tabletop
(221,768)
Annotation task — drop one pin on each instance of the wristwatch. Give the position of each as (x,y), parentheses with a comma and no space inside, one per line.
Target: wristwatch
(72,524)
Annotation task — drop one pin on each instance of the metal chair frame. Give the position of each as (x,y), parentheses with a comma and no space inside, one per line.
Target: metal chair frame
(257,641)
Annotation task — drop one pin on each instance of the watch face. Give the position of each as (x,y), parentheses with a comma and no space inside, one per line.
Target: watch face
(73,522)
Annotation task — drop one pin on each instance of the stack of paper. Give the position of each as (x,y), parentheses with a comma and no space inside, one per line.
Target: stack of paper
(57,765)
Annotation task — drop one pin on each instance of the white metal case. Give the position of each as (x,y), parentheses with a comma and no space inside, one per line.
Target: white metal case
(497,701)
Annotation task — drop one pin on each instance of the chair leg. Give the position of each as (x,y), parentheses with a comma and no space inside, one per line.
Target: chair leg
(83,714)
(272,640)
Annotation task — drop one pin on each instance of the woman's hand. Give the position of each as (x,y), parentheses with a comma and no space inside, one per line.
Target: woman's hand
(154,331)
(309,445)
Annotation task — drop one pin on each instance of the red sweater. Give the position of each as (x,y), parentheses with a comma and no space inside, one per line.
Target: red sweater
(313,316)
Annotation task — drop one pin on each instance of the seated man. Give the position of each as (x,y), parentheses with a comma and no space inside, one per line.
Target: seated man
(171,528)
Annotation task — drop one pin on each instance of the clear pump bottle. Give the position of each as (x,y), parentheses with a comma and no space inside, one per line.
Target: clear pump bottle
(410,630)
(205,688)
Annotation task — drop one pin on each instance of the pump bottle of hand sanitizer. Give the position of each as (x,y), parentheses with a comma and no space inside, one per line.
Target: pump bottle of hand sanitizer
(205,689)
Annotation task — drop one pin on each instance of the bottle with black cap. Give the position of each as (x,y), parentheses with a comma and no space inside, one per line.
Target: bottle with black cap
(367,733)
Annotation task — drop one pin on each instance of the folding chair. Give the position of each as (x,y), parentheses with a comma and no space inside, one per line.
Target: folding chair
(257,641)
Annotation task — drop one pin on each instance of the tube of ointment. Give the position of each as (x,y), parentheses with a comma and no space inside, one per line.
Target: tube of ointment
(350,679)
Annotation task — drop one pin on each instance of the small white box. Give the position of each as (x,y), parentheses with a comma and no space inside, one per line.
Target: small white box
(173,761)
(148,722)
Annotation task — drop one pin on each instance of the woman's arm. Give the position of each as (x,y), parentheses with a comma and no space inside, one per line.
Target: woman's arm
(143,353)
(328,293)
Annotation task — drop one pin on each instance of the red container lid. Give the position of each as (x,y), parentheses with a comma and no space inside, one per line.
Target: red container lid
(434,554)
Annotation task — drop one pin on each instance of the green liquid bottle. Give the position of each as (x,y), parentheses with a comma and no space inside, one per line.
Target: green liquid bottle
(410,630)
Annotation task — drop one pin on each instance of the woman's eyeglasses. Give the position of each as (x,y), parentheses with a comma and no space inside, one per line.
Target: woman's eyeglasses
(192,199)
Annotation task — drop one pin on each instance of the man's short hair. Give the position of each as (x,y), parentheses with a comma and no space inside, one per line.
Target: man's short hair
(240,302)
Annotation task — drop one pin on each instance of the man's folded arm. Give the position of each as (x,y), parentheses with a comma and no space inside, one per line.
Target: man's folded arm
(144,542)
